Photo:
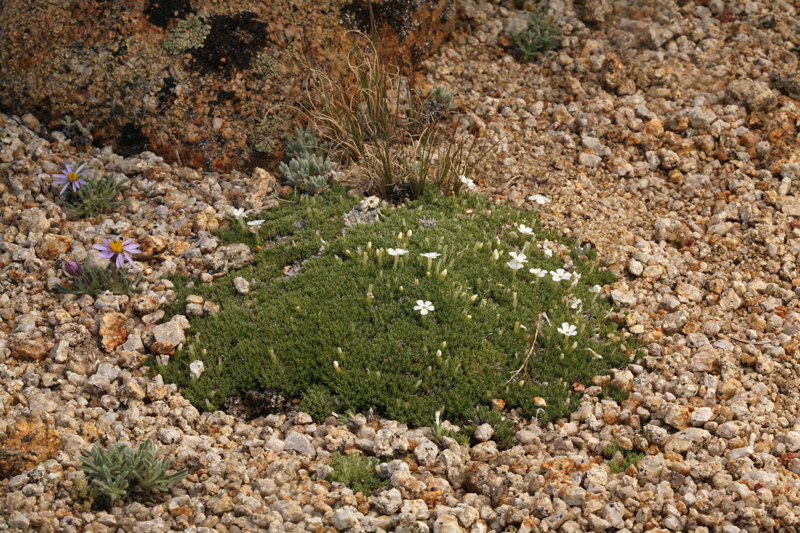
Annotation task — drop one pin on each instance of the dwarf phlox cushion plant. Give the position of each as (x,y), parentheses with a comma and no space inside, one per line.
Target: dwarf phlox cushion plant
(441,330)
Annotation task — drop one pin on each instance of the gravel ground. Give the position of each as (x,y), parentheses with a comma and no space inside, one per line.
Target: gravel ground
(664,134)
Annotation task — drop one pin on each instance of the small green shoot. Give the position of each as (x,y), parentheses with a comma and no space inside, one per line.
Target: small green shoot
(461,437)
(346,417)
(618,459)
(539,37)
(503,429)
(319,403)
(356,472)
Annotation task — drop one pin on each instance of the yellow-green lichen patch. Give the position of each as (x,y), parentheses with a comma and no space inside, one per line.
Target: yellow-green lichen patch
(190,33)
(265,136)
(269,64)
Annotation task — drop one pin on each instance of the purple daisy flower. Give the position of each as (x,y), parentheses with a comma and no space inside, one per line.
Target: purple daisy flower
(72,177)
(118,250)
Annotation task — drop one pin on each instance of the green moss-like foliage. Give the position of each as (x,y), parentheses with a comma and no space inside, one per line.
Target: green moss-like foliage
(319,402)
(190,33)
(623,459)
(288,331)
(503,429)
(355,471)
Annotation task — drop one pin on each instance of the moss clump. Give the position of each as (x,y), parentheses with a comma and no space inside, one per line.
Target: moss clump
(503,429)
(619,459)
(318,402)
(344,326)
(355,471)
(618,395)
(190,33)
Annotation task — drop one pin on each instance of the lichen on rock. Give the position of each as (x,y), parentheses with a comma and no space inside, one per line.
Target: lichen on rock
(190,33)
(263,135)
(270,63)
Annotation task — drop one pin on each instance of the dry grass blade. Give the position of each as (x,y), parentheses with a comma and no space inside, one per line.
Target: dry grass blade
(373,116)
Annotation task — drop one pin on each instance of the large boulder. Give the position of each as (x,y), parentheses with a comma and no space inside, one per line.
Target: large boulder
(218,84)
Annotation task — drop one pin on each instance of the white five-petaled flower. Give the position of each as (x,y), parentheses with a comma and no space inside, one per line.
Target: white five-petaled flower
(238,213)
(538,272)
(539,199)
(423,307)
(431,255)
(548,252)
(574,303)
(255,222)
(560,274)
(596,289)
(517,260)
(396,252)
(525,230)
(468,182)
(568,329)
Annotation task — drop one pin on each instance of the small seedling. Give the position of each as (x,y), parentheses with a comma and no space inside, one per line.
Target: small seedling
(503,429)
(83,492)
(355,471)
(70,126)
(618,464)
(439,102)
(461,437)
(318,402)
(346,417)
(538,37)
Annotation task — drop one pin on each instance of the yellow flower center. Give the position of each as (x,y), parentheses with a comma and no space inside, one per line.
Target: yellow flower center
(72,177)
(115,246)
